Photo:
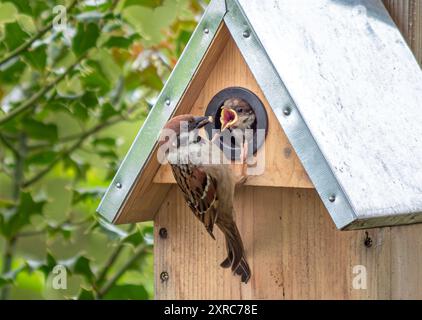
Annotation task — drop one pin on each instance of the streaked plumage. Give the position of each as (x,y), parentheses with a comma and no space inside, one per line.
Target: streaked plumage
(208,190)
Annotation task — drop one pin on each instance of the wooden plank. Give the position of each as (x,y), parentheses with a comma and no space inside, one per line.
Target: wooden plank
(146,197)
(282,166)
(406,245)
(294,250)
(407,14)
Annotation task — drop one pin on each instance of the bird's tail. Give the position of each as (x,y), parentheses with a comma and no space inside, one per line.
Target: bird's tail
(236,258)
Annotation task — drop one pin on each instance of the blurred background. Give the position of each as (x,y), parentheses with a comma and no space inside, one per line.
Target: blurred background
(77,79)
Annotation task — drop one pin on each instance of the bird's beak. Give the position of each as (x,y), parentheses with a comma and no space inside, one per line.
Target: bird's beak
(228,118)
(202,121)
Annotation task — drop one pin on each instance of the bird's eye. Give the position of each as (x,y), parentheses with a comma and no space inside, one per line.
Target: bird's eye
(240,110)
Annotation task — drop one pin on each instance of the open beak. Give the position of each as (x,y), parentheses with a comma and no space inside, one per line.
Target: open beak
(228,118)
(202,121)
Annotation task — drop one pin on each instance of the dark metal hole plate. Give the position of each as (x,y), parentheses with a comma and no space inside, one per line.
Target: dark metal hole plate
(214,109)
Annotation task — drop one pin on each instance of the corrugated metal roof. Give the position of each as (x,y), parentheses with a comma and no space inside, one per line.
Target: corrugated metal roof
(354,89)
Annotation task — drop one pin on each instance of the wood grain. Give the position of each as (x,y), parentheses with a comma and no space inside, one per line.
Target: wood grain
(282,166)
(407,14)
(294,250)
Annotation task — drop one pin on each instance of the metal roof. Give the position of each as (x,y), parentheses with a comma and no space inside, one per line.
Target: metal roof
(353,90)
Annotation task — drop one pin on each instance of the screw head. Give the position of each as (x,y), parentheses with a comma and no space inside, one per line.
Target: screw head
(246,34)
(163,233)
(164,276)
(287,111)
(368,241)
(118,185)
(332,198)
(168,102)
(206,30)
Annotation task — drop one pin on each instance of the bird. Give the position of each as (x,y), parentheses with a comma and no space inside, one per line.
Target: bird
(236,113)
(239,118)
(208,187)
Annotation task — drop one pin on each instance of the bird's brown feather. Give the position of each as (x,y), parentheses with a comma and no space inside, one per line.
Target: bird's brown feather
(200,192)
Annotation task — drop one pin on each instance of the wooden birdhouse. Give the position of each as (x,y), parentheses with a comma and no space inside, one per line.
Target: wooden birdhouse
(340,97)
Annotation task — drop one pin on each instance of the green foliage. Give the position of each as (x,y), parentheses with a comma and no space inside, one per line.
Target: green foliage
(72,100)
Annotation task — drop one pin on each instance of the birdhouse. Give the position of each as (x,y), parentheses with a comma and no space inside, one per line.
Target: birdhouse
(333,214)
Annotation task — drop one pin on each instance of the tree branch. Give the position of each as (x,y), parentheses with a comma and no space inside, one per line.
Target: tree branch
(7,264)
(35,37)
(111,260)
(11,242)
(9,145)
(32,100)
(69,151)
(140,250)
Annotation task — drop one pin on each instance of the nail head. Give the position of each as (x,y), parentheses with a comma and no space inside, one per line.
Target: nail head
(163,233)
(118,185)
(332,198)
(164,276)
(246,34)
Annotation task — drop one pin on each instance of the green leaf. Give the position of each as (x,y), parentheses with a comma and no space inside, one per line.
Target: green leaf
(8,12)
(80,167)
(143,3)
(86,294)
(134,239)
(95,79)
(107,111)
(79,111)
(82,266)
(120,42)
(85,38)
(71,87)
(12,72)
(111,231)
(27,23)
(4,281)
(148,233)
(150,78)
(37,57)
(108,154)
(41,158)
(82,195)
(14,36)
(64,230)
(89,99)
(22,6)
(108,142)
(127,291)
(18,217)
(48,265)
(39,131)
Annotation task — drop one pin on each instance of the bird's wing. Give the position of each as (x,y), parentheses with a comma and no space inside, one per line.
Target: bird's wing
(200,192)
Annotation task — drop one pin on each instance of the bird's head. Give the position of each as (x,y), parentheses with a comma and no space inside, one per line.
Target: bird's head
(184,126)
(236,113)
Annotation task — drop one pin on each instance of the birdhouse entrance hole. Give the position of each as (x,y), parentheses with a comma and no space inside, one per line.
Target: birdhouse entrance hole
(232,150)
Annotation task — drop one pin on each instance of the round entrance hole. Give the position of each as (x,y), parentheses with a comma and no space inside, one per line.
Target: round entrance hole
(260,126)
